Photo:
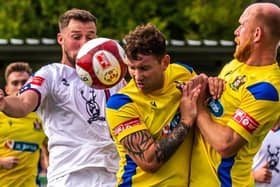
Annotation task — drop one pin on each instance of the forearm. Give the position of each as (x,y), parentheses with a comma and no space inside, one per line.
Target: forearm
(14,107)
(166,146)
(220,137)
(149,154)
(20,106)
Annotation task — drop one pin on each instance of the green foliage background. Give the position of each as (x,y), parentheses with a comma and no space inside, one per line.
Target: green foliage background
(177,19)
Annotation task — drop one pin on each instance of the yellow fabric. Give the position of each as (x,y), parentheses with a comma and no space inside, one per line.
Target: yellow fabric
(248,96)
(27,135)
(156,112)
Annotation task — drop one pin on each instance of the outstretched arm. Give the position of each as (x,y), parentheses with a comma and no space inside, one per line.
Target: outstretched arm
(18,106)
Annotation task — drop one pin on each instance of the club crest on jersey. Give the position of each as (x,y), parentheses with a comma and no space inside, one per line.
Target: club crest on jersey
(215,107)
(245,120)
(37,125)
(167,129)
(239,81)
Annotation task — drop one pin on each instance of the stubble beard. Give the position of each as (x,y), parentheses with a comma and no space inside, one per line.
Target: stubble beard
(72,60)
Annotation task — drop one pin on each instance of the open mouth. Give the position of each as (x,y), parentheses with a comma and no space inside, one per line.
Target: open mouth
(139,84)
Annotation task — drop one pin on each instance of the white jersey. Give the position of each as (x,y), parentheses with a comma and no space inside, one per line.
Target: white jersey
(269,152)
(74,118)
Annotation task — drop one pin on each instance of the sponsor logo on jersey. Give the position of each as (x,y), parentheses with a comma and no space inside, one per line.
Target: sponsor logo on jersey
(21,146)
(245,120)
(153,103)
(65,82)
(37,80)
(125,125)
(215,107)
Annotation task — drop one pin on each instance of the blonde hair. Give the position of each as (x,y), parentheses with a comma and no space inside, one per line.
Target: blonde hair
(17,67)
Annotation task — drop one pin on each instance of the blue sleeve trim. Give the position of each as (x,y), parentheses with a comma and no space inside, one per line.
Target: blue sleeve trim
(129,172)
(189,68)
(264,91)
(224,171)
(116,101)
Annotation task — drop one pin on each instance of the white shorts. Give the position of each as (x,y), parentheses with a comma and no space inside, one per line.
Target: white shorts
(87,177)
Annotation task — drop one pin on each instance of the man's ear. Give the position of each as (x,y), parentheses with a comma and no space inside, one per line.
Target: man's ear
(165,61)
(7,90)
(59,38)
(258,34)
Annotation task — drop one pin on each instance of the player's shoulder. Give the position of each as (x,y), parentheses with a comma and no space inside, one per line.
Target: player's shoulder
(118,100)
(182,66)
(264,91)
(55,66)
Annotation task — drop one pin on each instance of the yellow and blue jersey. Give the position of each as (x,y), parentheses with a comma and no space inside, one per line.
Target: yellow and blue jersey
(23,138)
(250,106)
(130,111)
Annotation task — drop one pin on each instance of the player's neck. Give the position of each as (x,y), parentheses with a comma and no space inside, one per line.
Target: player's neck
(261,60)
(66,62)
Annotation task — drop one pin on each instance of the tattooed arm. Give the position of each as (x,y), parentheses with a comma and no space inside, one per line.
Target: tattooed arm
(150,154)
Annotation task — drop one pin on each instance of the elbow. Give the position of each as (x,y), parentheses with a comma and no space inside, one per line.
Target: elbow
(226,150)
(150,168)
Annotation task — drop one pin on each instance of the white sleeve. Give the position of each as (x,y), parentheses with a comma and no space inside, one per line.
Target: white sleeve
(41,82)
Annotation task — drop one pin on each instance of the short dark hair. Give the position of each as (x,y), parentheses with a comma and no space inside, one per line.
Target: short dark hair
(17,67)
(77,14)
(145,40)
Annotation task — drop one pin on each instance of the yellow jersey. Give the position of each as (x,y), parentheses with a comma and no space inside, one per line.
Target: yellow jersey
(21,137)
(250,106)
(129,111)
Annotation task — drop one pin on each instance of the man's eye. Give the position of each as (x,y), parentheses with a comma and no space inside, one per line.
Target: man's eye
(91,37)
(76,37)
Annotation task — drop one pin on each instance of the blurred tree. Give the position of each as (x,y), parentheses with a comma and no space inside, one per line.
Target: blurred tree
(214,19)
(177,19)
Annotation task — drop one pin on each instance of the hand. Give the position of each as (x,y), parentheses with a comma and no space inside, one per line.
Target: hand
(188,103)
(216,87)
(9,162)
(263,175)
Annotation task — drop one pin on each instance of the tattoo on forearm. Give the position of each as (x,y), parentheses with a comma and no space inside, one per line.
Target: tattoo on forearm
(144,140)
(166,146)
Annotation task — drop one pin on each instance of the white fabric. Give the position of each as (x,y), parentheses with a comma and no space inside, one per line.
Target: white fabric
(269,151)
(97,177)
(74,118)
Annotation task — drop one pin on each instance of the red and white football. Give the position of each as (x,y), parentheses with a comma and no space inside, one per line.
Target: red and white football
(101,63)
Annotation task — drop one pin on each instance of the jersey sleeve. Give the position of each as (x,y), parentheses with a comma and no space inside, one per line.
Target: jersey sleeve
(123,117)
(258,112)
(40,82)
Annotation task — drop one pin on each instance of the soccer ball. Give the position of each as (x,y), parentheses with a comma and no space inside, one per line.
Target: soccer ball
(101,63)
